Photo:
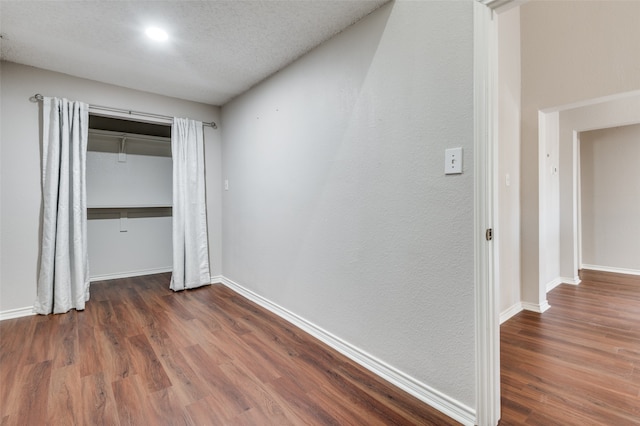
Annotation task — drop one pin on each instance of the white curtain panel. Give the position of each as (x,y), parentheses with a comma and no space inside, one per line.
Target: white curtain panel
(190,244)
(63,282)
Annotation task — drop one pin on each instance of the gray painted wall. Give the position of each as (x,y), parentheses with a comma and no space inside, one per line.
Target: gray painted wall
(338,208)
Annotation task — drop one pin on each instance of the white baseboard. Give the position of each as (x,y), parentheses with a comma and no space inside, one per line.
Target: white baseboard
(573,281)
(449,406)
(511,311)
(536,307)
(27,311)
(16,313)
(129,274)
(612,269)
(562,280)
(553,284)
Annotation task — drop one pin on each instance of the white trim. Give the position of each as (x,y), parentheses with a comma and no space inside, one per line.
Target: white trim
(129,274)
(494,4)
(573,281)
(510,312)
(502,5)
(27,311)
(536,307)
(217,279)
(562,280)
(593,101)
(425,393)
(17,313)
(576,226)
(487,318)
(129,115)
(554,283)
(612,269)
(578,190)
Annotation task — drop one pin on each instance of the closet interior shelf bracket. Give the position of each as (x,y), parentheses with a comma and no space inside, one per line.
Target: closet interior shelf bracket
(122,155)
(123,221)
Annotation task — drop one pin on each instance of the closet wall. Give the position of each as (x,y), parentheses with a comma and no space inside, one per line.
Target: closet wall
(20,187)
(338,210)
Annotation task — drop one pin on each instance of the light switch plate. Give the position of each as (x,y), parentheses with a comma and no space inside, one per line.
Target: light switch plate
(453,161)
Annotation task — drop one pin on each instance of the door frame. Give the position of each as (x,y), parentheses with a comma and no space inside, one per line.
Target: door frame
(485,107)
(487,328)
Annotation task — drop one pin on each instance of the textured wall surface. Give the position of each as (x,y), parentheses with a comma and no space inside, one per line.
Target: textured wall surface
(338,208)
(21,192)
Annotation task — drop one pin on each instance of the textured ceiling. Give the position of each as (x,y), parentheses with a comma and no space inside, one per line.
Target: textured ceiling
(216,50)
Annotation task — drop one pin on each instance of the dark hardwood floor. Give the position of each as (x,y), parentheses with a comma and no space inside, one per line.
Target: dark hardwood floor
(141,354)
(579,362)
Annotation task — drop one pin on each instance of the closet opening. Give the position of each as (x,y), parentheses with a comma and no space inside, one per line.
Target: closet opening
(99,122)
(129,179)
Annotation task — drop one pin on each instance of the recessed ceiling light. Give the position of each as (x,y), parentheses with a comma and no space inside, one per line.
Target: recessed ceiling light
(157,34)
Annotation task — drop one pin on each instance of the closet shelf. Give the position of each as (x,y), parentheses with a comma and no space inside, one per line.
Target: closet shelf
(129,206)
(133,136)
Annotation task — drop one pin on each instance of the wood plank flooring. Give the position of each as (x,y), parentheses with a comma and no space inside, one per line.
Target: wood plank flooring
(141,354)
(579,362)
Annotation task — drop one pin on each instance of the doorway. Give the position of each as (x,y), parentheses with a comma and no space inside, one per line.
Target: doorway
(609,200)
(537,219)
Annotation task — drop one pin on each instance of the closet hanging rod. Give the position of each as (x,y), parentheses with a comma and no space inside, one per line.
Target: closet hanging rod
(126,135)
(39,97)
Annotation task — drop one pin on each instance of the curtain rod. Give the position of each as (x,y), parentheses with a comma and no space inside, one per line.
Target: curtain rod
(39,97)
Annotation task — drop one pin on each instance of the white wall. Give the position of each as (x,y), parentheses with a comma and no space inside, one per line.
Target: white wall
(508,225)
(338,208)
(144,177)
(145,248)
(610,196)
(549,204)
(20,191)
(571,51)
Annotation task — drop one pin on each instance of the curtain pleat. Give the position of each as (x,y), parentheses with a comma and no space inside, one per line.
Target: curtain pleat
(63,281)
(190,239)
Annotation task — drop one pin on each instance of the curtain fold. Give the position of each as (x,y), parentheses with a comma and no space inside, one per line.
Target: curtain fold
(190,240)
(63,281)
